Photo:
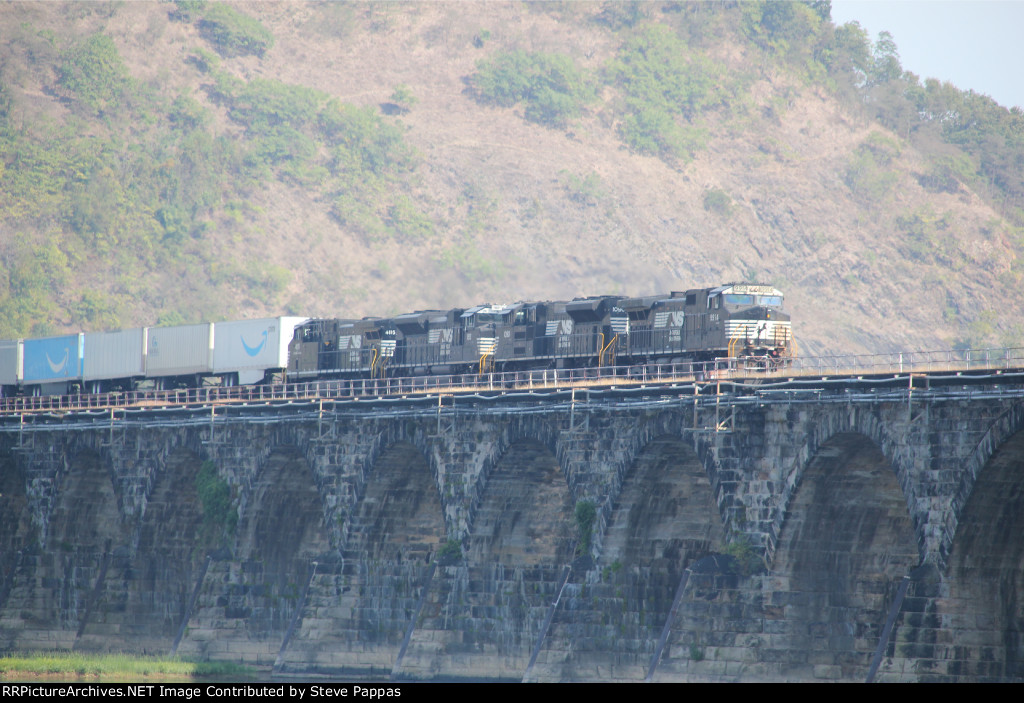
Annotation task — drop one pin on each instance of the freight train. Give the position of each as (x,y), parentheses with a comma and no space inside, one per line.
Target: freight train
(740,320)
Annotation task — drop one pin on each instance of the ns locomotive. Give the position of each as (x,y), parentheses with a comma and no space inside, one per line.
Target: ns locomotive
(738,320)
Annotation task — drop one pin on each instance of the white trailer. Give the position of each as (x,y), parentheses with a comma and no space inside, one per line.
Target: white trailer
(183,350)
(247,351)
(111,356)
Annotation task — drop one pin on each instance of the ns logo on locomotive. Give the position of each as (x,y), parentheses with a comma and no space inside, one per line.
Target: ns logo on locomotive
(738,320)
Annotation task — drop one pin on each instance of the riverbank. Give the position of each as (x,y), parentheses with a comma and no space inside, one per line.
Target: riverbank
(78,666)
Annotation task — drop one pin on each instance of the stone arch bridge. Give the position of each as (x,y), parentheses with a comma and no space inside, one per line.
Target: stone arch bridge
(798,535)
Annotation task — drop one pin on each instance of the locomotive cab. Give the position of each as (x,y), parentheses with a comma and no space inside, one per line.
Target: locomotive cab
(305,347)
(753,323)
(485,327)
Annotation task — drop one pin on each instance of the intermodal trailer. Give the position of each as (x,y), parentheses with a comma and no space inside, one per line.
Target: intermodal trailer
(250,351)
(180,354)
(53,365)
(114,359)
(10,366)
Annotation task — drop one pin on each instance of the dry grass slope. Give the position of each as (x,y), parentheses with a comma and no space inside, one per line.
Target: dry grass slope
(523,211)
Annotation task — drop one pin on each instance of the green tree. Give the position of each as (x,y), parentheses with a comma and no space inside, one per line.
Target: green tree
(886,60)
(93,74)
(553,89)
(621,14)
(718,201)
(586,515)
(188,10)
(868,173)
(219,516)
(848,56)
(664,86)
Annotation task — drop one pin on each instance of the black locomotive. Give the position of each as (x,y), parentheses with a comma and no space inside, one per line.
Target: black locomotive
(739,320)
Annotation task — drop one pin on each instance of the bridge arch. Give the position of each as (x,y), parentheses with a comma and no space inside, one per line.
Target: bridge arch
(659,437)
(17,533)
(146,592)
(1003,430)
(847,542)
(310,455)
(398,514)
(522,515)
(281,518)
(983,602)
(86,514)
(395,447)
(841,423)
(664,514)
(169,530)
(86,527)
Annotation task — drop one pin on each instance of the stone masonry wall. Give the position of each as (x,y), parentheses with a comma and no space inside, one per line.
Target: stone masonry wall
(756,542)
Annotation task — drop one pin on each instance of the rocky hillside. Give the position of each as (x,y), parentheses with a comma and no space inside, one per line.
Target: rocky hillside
(176,161)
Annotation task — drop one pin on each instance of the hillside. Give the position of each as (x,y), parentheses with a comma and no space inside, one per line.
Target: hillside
(170,162)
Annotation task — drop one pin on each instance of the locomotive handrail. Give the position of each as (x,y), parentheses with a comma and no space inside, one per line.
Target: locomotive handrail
(735,369)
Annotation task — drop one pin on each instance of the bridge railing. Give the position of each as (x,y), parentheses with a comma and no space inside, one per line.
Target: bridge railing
(899,363)
(951,360)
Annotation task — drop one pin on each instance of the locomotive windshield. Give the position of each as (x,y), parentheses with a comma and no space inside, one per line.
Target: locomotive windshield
(771,301)
(484,318)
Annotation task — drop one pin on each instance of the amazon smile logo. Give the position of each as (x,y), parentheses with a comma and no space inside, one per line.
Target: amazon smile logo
(62,366)
(253,351)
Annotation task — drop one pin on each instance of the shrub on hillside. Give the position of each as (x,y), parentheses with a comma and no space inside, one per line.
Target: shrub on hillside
(664,86)
(868,173)
(718,201)
(553,89)
(93,73)
(234,33)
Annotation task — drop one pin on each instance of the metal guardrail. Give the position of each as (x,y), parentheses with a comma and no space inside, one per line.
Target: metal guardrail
(952,360)
(759,369)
